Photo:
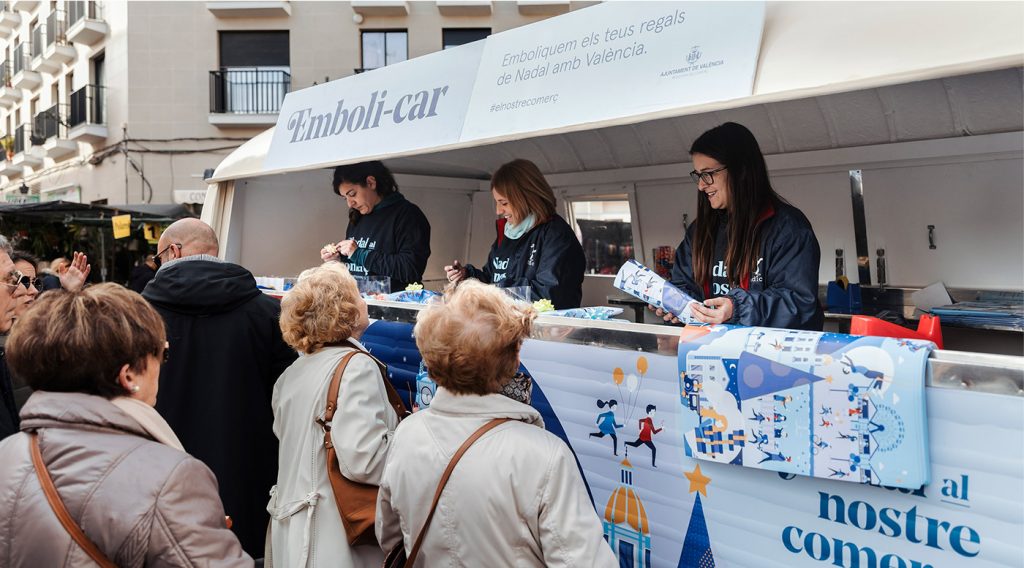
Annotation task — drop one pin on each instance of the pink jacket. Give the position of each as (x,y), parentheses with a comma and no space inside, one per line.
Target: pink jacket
(141,502)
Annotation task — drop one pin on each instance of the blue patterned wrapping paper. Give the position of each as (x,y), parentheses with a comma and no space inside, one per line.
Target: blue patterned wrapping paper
(824,405)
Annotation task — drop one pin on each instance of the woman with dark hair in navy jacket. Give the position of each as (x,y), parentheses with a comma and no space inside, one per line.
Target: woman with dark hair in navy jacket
(534,247)
(750,257)
(387,234)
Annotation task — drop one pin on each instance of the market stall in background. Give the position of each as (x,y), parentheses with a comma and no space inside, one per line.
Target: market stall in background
(55,229)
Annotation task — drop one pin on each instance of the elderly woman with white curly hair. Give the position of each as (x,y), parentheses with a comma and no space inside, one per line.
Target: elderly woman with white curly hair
(515,498)
(323,317)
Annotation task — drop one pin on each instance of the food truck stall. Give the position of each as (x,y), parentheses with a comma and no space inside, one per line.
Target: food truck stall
(896,127)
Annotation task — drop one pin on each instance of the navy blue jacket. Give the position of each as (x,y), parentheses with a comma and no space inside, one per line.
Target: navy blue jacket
(784,290)
(548,258)
(393,240)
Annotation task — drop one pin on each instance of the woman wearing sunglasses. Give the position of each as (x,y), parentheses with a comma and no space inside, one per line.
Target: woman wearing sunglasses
(750,257)
(26,267)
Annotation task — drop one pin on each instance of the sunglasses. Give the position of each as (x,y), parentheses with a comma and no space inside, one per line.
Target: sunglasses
(16,278)
(158,257)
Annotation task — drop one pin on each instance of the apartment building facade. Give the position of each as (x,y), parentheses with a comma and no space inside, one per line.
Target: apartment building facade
(131,102)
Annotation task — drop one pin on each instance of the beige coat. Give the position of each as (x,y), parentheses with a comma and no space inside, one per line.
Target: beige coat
(141,502)
(306,528)
(515,498)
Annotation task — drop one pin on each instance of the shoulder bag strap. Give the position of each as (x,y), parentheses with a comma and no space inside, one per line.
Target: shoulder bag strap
(60,510)
(332,399)
(444,481)
(394,399)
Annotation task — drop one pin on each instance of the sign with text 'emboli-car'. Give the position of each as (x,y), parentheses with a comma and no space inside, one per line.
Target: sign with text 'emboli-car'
(605,64)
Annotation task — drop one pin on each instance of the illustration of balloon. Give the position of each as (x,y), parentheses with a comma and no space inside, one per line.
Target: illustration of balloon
(618,375)
(632,381)
(641,365)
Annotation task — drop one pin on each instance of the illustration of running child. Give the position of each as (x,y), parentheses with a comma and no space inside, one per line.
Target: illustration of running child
(647,432)
(768,456)
(606,423)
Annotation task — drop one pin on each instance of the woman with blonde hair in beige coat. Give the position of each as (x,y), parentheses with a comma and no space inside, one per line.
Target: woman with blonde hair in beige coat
(93,358)
(323,317)
(516,497)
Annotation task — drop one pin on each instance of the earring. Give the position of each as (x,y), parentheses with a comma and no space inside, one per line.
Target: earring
(135,389)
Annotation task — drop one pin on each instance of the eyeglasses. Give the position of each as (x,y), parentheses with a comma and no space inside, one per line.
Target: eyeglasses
(707,177)
(14,279)
(28,281)
(158,258)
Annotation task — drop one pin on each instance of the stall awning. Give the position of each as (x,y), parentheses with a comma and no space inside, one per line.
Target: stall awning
(828,75)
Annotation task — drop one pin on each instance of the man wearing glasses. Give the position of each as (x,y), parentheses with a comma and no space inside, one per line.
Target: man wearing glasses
(228,352)
(10,290)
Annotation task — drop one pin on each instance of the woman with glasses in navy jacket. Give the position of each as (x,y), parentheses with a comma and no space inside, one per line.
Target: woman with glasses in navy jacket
(751,258)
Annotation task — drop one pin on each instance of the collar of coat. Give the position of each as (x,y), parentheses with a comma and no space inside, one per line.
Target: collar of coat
(485,406)
(77,411)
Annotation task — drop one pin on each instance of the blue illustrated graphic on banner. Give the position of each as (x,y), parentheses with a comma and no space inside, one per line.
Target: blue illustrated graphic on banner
(808,403)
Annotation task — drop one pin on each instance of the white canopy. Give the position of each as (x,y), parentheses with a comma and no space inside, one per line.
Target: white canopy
(829,75)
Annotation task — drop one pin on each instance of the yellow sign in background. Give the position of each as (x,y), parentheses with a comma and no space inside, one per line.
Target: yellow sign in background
(122,226)
(152,232)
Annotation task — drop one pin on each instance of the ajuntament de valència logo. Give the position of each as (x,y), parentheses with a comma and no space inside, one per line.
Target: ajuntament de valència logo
(694,55)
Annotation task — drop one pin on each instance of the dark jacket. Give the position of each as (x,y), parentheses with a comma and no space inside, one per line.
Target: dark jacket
(548,258)
(226,352)
(141,502)
(8,408)
(783,292)
(393,240)
(140,276)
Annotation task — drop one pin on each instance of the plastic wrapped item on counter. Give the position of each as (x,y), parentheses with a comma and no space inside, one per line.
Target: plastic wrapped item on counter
(373,286)
(592,313)
(410,296)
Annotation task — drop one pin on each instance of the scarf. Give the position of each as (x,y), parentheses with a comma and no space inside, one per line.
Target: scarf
(149,419)
(514,231)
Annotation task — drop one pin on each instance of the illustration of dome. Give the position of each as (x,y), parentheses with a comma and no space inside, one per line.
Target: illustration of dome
(625,522)
(624,506)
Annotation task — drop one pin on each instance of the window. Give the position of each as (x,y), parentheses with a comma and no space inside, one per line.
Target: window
(254,49)
(451,37)
(254,74)
(606,231)
(382,48)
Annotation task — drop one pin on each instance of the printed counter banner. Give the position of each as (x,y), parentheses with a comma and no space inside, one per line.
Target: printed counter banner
(622,414)
(818,404)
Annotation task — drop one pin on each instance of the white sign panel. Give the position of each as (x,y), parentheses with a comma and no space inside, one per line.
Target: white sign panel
(614,60)
(190,196)
(402,107)
(603,63)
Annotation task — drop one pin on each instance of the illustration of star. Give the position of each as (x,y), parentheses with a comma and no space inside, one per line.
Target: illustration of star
(698,481)
(828,379)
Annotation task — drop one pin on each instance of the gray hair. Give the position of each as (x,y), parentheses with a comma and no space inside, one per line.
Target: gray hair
(6,246)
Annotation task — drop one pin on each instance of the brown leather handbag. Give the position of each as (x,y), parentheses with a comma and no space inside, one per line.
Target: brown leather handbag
(396,558)
(357,502)
(53,498)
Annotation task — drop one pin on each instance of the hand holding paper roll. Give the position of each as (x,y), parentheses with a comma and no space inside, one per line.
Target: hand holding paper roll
(642,282)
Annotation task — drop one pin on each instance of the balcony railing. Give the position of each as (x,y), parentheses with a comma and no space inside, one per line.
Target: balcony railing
(49,123)
(87,106)
(21,135)
(18,59)
(56,28)
(249,90)
(38,36)
(79,9)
